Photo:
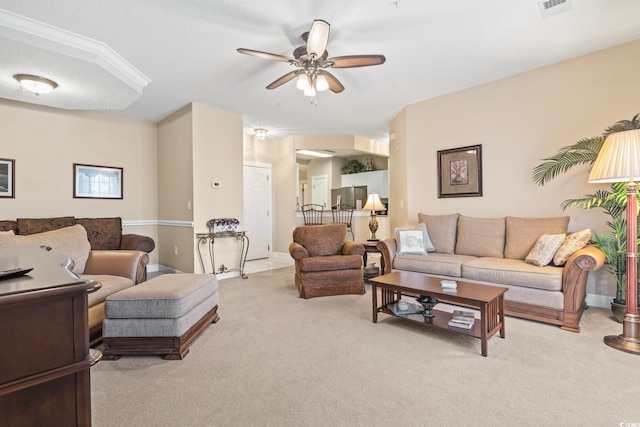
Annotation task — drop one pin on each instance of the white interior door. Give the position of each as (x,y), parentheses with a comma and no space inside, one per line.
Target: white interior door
(257,209)
(319,190)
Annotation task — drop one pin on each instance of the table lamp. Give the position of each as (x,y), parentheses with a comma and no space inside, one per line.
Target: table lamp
(619,161)
(373,203)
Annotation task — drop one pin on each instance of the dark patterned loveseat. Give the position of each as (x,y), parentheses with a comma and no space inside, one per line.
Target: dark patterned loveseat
(98,250)
(103,233)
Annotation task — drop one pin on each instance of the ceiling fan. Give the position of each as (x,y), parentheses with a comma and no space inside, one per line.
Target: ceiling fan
(311,61)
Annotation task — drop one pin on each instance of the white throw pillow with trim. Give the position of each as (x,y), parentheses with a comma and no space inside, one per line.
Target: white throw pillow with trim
(413,240)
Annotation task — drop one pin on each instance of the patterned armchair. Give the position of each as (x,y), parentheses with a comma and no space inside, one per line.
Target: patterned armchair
(326,262)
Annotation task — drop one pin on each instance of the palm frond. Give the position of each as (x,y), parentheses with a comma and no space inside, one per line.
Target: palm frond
(559,164)
(623,125)
(583,152)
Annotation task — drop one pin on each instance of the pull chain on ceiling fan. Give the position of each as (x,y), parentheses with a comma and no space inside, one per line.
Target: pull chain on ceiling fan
(311,62)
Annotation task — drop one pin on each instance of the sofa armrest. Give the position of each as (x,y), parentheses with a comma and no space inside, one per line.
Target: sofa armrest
(387,248)
(297,251)
(136,242)
(352,248)
(130,264)
(574,283)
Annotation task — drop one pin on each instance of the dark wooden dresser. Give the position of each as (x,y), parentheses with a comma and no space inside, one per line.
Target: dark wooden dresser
(44,342)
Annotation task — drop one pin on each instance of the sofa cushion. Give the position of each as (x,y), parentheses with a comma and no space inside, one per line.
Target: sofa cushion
(522,233)
(110,285)
(40,225)
(321,240)
(413,240)
(433,263)
(480,236)
(103,233)
(572,244)
(442,231)
(544,249)
(513,272)
(69,241)
(330,263)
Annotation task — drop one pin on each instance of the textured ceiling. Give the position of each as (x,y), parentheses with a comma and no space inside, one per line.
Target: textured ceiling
(188,51)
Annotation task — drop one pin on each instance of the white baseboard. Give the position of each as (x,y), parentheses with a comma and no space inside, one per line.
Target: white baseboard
(603,301)
(281,255)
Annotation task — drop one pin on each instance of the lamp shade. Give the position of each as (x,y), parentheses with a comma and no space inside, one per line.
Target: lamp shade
(373,203)
(619,158)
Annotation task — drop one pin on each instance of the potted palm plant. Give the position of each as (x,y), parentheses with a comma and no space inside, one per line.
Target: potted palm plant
(613,202)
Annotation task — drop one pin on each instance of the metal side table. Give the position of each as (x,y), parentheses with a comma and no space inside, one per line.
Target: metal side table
(209,239)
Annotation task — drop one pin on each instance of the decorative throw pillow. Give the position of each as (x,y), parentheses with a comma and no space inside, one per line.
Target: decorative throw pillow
(69,241)
(572,244)
(413,240)
(543,250)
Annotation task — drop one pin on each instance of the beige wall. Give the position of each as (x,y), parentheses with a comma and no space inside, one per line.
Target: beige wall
(198,145)
(45,142)
(175,190)
(518,120)
(217,157)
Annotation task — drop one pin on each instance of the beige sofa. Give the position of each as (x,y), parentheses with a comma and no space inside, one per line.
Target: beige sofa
(114,269)
(493,251)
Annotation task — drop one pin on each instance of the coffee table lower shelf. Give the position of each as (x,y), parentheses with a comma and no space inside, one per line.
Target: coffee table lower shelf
(440,320)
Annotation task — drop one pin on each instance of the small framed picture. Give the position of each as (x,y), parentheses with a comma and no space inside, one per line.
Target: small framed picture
(7,178)
(97,182)
(460,172)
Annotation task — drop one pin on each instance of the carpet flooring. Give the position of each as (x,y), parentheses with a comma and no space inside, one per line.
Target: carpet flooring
(277,360)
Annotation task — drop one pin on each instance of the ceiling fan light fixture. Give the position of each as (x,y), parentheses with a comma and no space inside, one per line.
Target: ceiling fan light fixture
(310,91)
(36,84)
(321,83)
(303,82)
(261,133)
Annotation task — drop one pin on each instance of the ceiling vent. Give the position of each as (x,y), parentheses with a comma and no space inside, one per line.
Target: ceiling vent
(553,7)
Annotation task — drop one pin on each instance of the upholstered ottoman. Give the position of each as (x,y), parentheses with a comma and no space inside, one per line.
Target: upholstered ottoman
(161,316)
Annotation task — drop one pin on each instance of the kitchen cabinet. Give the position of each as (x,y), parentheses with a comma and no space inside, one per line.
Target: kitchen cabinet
(376,181)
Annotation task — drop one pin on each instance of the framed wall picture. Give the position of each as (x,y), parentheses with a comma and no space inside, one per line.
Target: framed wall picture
(7,178)
(97,182)
(460,172)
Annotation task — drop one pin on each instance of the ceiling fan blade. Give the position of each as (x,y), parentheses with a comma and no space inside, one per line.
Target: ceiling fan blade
(264,55)
(334,85)
(318,38)
(282,80)
(353,61)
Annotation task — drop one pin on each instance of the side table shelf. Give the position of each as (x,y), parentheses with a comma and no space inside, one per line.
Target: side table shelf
(208,239)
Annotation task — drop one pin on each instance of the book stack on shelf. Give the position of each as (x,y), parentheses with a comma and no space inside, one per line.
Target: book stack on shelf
(462,319)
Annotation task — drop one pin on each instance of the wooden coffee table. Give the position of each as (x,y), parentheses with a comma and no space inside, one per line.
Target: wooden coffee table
(488,299)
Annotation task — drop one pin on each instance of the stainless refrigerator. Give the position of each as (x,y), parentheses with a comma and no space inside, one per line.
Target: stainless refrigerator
(353,196)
